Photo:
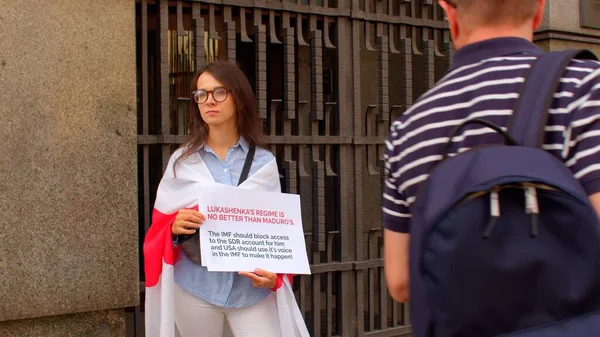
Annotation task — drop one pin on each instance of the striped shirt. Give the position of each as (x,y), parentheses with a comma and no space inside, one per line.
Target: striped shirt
(484,82)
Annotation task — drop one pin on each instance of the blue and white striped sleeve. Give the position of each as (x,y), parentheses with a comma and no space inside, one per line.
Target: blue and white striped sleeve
(582,137)
(396,213)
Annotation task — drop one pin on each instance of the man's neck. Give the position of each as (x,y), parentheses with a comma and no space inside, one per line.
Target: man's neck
(488,33)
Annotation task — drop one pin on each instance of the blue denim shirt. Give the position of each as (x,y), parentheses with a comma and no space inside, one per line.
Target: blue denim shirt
(223,289)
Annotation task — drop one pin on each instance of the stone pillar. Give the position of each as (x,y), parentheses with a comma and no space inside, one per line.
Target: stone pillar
(570,24)
(68,185)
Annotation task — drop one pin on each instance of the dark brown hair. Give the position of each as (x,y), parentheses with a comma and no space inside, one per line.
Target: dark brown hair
(249,124)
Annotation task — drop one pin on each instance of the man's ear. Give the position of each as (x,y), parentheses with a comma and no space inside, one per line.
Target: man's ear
(539,14)
(450,12)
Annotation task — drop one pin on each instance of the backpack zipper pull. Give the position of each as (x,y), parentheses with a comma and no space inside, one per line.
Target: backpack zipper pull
(532,208)
(494,213)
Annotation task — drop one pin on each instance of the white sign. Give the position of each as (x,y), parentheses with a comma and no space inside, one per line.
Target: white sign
(248,229)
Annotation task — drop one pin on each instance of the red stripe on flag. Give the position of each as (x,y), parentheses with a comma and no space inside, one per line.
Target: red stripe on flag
(279,280)
(158,246)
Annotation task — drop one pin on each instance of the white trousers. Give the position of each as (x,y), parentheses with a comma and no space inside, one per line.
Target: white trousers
(195,317)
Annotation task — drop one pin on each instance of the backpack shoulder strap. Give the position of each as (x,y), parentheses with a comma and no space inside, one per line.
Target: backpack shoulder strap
(247,164)
(531,111)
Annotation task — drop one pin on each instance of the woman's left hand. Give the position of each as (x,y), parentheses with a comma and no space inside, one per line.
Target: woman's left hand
(261,278)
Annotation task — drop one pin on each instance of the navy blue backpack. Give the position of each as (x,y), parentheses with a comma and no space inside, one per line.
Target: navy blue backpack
(504,241)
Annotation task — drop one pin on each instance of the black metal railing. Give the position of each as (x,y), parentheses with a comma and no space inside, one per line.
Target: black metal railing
(329,76)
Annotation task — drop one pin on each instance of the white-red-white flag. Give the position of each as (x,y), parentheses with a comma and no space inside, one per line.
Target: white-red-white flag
(175,193)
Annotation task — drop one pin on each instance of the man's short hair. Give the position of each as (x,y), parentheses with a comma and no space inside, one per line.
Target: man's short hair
(495,12)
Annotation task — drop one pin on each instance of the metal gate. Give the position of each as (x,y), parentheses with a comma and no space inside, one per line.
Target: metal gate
(329,76)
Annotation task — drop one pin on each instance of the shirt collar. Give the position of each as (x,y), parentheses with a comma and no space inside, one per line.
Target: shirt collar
(242,142)
(502,46)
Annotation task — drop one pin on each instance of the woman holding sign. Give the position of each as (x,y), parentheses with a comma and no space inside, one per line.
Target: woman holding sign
(227,149)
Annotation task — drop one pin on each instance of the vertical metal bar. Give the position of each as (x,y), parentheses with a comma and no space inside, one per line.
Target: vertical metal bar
(318,170)
(212,23)
(299,30)
(437,33)
(302,300)
(404,13)
(230,35)
(145,103)
(274,107)
(291,168)
(272,29)
(414,29)
(180,30)
(145,148)
(429,64)
(139,321)
(227,15)
(368,36)
(406,64)
(189,64)
(406,313)
(285,22)
(359,155)
(144,68)
(449,48)
(371,309)
(289,101)
(326,39)
(396,314)
(164,77)
(392,40)
(383,293)
(303,115)
(371,131)
(384,95)
(316,51)
(175,54)
(329,319)
(261,68)
(381,125)
(407,100)
(347,290)
(328,153)
(199,36)
(243,29)
(289,78)
(374,309)
(181,117)
(318,180)
(329,295)
(378,7)
(231,48)
(312,22)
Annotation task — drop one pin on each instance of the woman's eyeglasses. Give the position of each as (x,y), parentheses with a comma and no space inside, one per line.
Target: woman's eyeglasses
(218,94)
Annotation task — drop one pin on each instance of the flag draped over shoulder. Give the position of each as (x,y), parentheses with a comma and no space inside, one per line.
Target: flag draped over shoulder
(175,193)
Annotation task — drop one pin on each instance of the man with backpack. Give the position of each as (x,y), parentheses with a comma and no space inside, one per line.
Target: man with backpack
(494,175)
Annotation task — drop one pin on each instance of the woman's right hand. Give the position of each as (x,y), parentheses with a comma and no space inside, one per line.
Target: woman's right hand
(187,221)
